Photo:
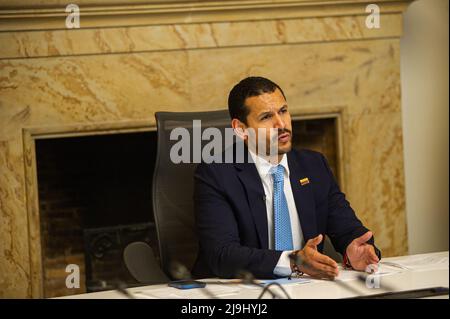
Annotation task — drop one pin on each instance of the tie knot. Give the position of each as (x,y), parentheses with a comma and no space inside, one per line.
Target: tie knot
(278,174)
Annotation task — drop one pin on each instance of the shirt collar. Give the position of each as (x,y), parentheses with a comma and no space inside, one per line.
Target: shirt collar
(265,168)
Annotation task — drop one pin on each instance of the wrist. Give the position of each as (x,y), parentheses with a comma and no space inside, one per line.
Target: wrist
(292,259)
(346,262)
(295,263)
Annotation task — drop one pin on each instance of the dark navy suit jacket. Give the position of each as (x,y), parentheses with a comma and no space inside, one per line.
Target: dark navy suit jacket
(231,214)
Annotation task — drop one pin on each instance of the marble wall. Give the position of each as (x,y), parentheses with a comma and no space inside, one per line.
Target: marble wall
(58,81)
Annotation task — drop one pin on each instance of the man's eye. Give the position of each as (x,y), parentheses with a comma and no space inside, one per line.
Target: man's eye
(283,110)
(265,117)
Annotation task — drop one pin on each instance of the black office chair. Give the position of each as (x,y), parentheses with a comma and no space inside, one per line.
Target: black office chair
(329,250)
(173,188)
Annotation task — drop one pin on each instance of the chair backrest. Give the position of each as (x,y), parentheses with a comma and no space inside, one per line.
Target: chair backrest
(329,250)
(173,184)
(142,265)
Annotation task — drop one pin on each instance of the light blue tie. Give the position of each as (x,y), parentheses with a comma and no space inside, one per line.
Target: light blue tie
(282,221)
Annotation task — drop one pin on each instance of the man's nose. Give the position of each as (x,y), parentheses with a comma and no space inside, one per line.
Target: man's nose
(279,123)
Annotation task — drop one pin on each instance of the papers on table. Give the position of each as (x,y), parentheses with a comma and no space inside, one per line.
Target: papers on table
(348,275)
(197,293)
(396,265)
(420,262)
(219,291)
(281,281)
(285,281)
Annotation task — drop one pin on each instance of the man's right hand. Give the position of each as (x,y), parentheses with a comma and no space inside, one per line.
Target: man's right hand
(314,263)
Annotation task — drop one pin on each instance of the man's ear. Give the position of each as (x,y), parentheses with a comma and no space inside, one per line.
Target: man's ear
(240,129)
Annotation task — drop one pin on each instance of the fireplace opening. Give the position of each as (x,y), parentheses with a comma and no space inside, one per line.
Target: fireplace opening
(95,197)
(321,135)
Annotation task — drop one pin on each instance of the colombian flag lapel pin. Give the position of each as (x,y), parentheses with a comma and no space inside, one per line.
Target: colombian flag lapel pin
(304,181)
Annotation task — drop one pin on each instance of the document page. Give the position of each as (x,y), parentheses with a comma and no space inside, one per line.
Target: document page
(418,262)
(197,293)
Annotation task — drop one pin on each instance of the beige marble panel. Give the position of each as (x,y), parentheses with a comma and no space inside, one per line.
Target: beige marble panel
(364,75)
(14,258)
(375,177)
(90,89)
(190,36)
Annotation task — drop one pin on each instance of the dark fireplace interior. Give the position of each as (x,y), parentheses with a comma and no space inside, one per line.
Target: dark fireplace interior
(95,197)
(318,135)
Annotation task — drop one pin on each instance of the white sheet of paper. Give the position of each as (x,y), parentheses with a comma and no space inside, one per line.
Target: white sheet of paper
(383,270)
(281,281)
(417,262)
(286,281)
(196,293)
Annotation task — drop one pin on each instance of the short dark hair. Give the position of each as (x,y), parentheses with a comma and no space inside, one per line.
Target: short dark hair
(248,87)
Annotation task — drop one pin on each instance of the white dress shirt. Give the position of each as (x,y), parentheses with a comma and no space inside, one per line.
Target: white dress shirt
(265,169)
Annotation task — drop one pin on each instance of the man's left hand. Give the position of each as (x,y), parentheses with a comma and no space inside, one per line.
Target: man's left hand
(361,254)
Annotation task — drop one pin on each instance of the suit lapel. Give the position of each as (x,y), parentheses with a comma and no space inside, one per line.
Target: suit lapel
(303,197)
(249,177)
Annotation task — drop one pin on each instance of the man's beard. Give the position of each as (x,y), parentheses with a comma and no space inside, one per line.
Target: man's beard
(281,152)
(275,139)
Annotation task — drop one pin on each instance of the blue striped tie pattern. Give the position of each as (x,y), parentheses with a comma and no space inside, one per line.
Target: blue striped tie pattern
(282,221)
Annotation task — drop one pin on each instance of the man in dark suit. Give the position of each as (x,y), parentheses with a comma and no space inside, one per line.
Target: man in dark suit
(268,215)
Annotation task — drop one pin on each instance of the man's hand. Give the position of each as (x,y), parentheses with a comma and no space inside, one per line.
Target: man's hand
(361,254)
(314,263)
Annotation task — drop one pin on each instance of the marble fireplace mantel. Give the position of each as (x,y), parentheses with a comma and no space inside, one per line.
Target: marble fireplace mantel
(28,15)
